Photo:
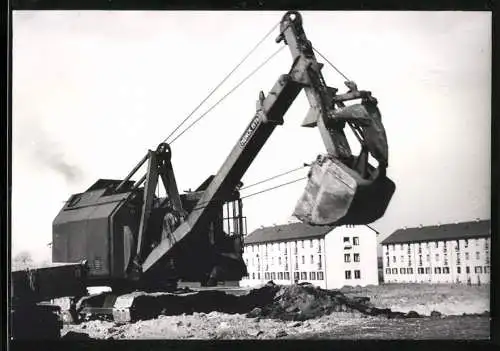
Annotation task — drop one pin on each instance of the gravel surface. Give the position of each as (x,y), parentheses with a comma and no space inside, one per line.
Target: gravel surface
(442,306)
(217,325)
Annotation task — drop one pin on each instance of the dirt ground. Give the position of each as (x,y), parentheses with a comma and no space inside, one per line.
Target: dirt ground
(450,301)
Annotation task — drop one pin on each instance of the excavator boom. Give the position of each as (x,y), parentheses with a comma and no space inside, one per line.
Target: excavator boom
(128,235)
(336,193)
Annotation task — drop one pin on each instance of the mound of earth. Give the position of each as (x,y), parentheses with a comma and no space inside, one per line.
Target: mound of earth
(302,302)
(293,302)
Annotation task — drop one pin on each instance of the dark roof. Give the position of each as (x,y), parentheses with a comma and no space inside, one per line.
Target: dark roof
(451,231)
(286,232)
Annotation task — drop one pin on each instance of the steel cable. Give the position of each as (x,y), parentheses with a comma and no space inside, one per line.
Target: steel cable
(217,201)
(331,64)
(228,93)
(222,82)
(273,177)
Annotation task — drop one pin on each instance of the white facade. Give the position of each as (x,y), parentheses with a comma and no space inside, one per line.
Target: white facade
(450,261)
(346,255)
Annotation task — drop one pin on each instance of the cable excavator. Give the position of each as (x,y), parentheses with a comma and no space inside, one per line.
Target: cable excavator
(118,233)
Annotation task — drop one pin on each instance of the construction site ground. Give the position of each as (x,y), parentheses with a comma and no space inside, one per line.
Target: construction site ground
(394,311)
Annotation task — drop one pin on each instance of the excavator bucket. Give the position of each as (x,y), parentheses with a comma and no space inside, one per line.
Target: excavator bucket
(338,195)
(350,190)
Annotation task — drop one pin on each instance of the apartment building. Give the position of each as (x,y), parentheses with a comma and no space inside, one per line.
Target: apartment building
(328,257)
(447,253)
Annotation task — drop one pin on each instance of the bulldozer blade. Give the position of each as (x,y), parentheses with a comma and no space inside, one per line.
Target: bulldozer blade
(337,195)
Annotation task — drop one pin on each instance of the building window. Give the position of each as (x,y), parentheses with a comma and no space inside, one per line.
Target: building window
(394,271)
(356,257)
(355,241)
(280,275)
(320,276)
(303,259)
(477,255)
(437,270)
(427,270)
(402,258)
(357,274)
(295,250)
(409,249)
(466,243)
(387,261)
(394,259)
(258,275)
(320,262)
(296,275)
(420,271)
(312,275)
(347,257)
(477,242)
(420,260)
(478,269)
(446,270)
(312,258)
(487,259)
(409,271)
(286,266)
(347,274)
(296,265)
(457,246)
(467,269)
(319,247)
(486,245)
(419,248)
(428,258)
(311,245)
(253,275)
(486,269)
(400,246)
(279,261)
(303,275)
(459,270)
(287,275)
(273,275)
(409,260)
(436,244)
(428,244)
(466,256)
(302,243)
(346,239)
(387,271)
(402,271)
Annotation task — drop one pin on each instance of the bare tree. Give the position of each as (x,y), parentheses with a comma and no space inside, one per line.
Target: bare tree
(22,260)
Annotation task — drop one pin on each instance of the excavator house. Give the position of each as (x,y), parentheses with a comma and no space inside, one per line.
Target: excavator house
(130,239)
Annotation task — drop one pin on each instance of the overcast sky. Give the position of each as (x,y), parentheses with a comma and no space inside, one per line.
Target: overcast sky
(92,91)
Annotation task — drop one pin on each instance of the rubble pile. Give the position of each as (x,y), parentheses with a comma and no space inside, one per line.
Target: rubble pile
(292,303)
(303,302)
(298,302)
